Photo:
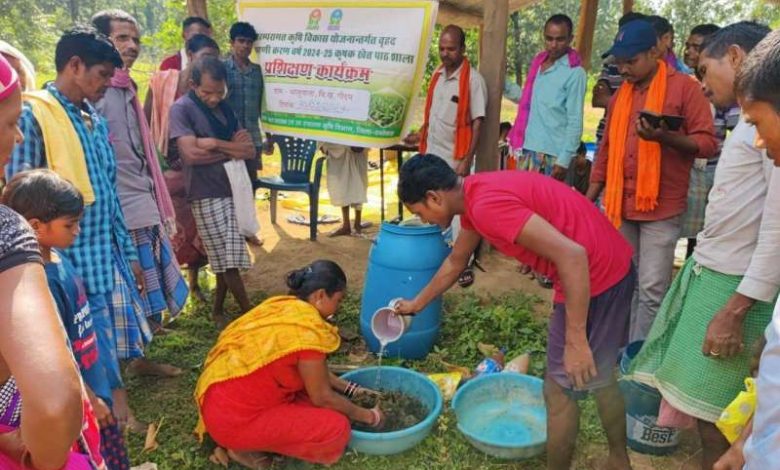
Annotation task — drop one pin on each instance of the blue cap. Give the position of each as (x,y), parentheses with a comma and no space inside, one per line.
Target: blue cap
(634,37)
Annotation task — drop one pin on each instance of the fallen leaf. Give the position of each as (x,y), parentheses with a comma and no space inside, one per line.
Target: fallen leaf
(145,466)
(456,368)
(150,444)
(487,350)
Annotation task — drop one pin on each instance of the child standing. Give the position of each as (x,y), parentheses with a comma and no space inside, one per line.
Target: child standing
(578,173)
(54,207)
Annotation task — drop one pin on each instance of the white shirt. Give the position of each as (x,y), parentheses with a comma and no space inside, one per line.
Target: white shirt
(762,450)
(444,111)
(741,234)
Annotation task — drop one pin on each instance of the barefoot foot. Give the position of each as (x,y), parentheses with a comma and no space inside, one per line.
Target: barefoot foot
(145,367)
(253,460)
(255,240)
(343,231)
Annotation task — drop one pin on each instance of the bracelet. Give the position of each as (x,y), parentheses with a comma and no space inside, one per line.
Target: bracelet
(351,389)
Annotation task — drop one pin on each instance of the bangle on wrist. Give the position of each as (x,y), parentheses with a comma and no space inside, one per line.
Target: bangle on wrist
(350,390)
(376,417)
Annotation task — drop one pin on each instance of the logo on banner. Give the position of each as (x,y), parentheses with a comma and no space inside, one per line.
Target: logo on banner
(314,19)
(335,20)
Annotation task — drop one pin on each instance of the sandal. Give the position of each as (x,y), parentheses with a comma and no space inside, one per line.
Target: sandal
(466,278)
(544,281)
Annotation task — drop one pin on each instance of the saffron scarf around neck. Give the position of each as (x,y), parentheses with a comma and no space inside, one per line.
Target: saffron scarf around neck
(516,136)
(463,131)
(648,177)
(278,327)
(122,80)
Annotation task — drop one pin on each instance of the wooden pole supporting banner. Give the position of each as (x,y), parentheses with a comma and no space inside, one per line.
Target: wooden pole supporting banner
(492,66)
(585,29)
(197,8)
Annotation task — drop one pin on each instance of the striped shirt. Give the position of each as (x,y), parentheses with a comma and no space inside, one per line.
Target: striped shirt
(103,224)
(245,96)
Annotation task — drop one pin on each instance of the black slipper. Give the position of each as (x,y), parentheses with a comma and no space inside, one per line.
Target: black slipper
(466,278)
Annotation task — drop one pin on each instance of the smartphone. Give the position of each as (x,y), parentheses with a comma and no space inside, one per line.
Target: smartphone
(674,123)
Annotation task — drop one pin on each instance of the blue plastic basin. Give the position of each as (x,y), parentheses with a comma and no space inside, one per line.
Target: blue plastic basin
(503,415)
(409,382)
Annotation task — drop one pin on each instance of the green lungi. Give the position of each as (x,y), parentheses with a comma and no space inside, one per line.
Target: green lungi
(671,359)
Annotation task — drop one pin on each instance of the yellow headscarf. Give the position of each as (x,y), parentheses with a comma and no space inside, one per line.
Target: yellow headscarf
(277,327)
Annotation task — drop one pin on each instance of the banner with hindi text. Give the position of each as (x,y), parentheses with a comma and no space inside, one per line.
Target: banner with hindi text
(342,71)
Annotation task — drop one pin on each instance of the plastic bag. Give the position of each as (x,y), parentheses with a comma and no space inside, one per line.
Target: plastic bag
(243,197)
(736,416)
(447,382)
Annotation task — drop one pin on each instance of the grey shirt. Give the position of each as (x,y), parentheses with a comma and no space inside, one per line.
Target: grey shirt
(135,186)
(741,231)
(201,181)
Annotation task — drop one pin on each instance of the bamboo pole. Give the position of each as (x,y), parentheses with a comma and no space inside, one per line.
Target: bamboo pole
(492,66)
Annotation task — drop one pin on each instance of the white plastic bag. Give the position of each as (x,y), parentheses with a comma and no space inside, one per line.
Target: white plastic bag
(243,197)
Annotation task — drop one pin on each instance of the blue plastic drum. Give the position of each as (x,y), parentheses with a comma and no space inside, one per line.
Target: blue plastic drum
(402,261)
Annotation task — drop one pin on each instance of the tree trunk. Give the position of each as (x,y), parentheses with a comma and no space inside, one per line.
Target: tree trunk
(586,27)
(197,8)
(492,66)
(517,57)
(73,7)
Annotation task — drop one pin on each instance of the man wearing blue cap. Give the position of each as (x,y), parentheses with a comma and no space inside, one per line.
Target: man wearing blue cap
(644,166)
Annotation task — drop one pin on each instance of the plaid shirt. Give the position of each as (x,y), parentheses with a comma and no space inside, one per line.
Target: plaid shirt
(103,224)
(245,96)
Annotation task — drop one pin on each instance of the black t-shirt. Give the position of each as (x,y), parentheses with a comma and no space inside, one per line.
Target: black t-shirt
(18,244)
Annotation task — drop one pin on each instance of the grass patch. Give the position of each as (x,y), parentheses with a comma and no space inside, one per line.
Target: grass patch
(507,321)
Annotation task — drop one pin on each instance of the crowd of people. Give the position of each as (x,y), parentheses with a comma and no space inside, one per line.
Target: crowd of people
(681,153)
(107,198)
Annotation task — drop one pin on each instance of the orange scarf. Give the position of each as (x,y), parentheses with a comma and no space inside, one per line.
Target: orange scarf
(648,176)
(463,132)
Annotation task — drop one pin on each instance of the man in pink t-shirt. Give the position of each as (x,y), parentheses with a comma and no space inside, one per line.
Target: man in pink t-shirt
(558,233)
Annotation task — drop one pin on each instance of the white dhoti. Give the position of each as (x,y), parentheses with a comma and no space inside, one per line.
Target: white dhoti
(347,175)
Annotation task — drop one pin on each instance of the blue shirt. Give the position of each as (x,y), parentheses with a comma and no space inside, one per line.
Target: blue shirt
(555,123)
(103,225)
(71,299)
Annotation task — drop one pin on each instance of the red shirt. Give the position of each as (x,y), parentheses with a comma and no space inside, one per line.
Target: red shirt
(171,62)
(277,383)
(498,205)
(684,97)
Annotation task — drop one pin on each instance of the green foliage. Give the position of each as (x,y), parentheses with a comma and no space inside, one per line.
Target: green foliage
(35,25)
(684,14)
(507,321)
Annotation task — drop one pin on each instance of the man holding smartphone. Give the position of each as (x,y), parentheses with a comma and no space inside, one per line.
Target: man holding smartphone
(644,169)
